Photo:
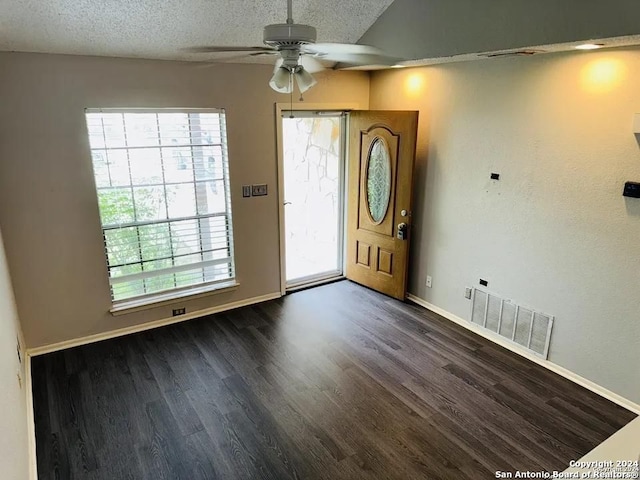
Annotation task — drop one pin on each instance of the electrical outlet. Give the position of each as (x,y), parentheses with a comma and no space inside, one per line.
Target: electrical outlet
(259,190)
(428,282)
(179,311)
(246,191)
(467,293)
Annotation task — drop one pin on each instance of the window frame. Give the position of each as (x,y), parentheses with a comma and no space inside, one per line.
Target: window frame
(165,296)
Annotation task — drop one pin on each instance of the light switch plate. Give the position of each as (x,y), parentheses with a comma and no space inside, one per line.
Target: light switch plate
(246,191)
(259,190)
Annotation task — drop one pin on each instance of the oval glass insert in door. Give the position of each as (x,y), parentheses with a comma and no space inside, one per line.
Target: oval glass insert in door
(378,179)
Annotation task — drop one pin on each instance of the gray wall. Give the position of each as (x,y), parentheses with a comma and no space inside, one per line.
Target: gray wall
(14,459)
(48,206)
(418,29)
(554,233)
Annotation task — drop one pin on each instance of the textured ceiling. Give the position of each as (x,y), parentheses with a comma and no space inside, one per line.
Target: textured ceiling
(162,28)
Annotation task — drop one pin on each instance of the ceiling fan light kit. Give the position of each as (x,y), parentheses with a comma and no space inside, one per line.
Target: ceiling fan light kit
(304,80)
(281,80)
(296,45)
(288,68)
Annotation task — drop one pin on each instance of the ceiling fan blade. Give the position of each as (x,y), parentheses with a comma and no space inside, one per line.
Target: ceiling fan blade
(328,49)
(217,61)
(350,54)
(217,49)
(245,55)
(311,64)
(362,59)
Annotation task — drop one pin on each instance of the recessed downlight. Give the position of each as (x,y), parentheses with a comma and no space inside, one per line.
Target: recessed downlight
(589,46)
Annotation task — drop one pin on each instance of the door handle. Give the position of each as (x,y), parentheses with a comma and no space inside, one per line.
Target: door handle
(402,231)
(287,203)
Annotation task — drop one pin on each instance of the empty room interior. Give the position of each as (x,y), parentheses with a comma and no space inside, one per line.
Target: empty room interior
(381,239)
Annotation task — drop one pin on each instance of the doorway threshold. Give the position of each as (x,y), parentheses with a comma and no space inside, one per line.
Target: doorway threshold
(314,281)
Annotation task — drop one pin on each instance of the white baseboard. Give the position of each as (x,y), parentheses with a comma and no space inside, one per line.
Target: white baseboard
(54,347)
(583,382)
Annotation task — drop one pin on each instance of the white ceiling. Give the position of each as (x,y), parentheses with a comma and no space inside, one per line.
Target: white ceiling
(162,28)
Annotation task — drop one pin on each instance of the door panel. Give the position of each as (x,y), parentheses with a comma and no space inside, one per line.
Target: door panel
(381,157)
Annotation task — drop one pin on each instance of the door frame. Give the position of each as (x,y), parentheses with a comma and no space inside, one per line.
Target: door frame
(319,107)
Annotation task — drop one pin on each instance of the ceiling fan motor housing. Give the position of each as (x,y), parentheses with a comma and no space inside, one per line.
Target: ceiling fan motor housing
(283,35)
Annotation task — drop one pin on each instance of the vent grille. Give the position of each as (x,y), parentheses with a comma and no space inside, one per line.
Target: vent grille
(526,327)
(289,43)
(512,53)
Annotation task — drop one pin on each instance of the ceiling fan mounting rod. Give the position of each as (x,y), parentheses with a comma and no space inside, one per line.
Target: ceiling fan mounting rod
(289,11)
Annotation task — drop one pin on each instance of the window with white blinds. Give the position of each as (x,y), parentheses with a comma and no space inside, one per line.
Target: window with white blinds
(162,179)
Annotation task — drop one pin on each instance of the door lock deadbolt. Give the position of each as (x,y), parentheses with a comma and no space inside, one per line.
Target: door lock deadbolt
(402,231)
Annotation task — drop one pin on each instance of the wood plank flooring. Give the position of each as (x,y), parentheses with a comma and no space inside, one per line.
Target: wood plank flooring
(336,382)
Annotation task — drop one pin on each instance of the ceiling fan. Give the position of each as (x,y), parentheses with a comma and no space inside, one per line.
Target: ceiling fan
(299,55)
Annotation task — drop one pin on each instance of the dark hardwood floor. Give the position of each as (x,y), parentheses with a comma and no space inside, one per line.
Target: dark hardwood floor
(336,382)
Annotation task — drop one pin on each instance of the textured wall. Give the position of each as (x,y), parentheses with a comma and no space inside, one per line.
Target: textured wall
(555,232)
(14,461)
(48,205)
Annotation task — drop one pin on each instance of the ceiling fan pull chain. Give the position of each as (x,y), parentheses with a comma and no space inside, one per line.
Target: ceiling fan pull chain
(291,95)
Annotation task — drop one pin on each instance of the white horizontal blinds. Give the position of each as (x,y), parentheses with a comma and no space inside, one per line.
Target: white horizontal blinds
(162,179)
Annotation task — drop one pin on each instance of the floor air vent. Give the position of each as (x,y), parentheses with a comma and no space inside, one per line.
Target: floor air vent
(517,324)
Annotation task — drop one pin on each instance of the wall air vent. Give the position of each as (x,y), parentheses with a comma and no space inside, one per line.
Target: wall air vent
(523,326)
(511,53)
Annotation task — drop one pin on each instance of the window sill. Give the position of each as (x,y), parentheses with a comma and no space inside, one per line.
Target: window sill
(147,303)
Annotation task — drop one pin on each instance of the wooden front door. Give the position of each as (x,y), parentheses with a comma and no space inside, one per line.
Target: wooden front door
(381,156)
